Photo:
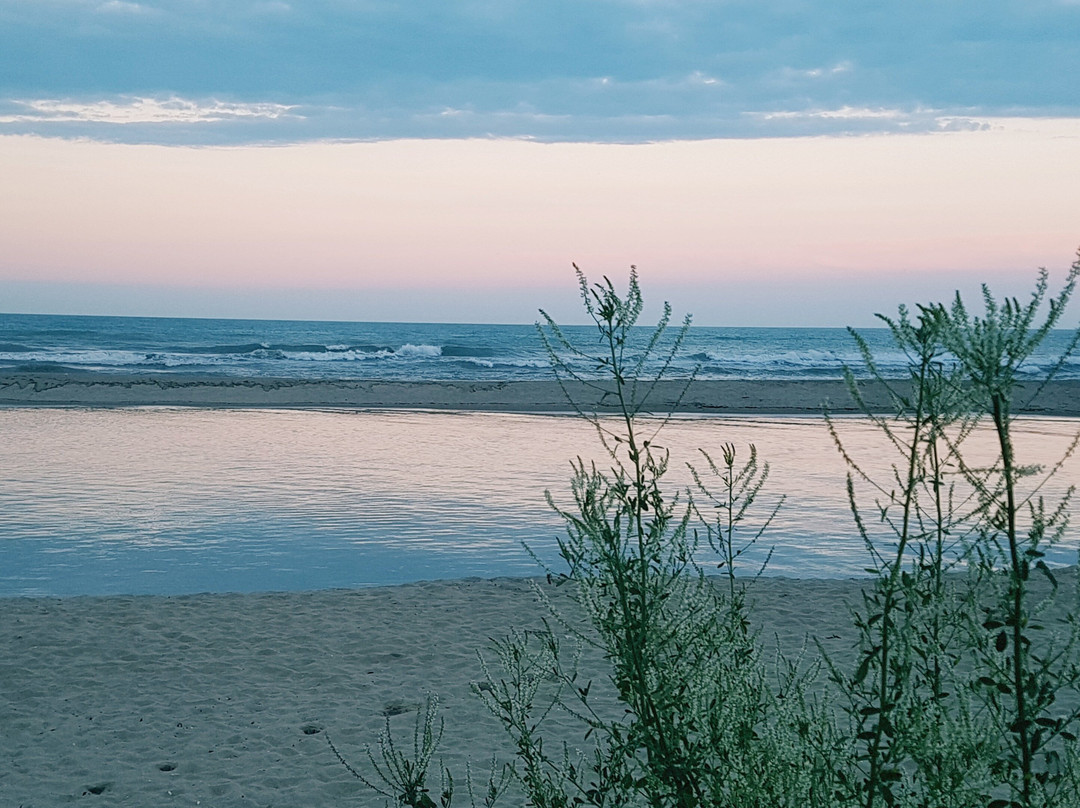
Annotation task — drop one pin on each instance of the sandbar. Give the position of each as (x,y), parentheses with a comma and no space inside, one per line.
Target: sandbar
(736,397)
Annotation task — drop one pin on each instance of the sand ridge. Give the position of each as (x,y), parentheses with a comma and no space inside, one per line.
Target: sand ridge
(775,397)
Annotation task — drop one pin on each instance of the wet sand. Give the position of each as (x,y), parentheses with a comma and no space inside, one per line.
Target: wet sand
(705,397)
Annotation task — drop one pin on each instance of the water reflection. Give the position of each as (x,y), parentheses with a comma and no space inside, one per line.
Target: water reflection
(180,500)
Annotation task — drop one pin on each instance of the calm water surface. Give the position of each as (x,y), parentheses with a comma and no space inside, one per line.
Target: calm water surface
(159,500)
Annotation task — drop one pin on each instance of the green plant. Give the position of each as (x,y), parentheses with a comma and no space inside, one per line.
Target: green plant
(918,740)
(1021,674)
(702,722)
(402,776)
(738,492)
(630,553)
(928,641)
(701,725)
(953,701)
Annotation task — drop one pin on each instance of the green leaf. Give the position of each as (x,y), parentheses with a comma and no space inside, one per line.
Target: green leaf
(1045,570)
(863,669)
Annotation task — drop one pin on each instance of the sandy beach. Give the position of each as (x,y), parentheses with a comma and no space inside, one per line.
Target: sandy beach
(706,397)
(226,700)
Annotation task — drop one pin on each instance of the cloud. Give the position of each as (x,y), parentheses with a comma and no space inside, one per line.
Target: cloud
(842,114)
(120,7)
(604,70)
(141,111)
(814,73)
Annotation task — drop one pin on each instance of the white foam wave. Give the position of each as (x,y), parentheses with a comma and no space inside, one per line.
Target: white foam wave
(343,354)
(76,357)
(516,363)
(810,356)
(336,356)
(185,360)
(428,351)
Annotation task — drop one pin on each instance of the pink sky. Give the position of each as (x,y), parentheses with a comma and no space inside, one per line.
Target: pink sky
(740,231)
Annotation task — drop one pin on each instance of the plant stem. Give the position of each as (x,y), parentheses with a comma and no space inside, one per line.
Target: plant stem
(1016,587)
(885,704)
(729,544)
(687,788)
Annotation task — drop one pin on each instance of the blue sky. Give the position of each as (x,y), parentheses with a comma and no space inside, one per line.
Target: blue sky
(763,162)
(246,71)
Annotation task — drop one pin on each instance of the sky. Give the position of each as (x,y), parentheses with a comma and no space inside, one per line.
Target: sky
(762,162)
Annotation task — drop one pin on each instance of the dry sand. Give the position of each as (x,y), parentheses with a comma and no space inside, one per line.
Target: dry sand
(733,396)
(226,700)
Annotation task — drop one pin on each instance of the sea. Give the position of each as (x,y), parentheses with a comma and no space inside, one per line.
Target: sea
(424,351)
(171,500)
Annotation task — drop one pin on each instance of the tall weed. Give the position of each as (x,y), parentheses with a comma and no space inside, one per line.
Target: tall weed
(702,724)
(918,739)
(1022,671)
(953,699)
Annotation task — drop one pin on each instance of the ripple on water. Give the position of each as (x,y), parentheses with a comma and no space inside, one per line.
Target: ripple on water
(170,501)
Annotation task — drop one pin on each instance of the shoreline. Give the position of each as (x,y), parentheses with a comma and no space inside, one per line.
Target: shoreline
(719,397)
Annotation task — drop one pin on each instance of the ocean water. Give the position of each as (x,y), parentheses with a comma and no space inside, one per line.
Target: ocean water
(170,500)
(159,500)
(405,351)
